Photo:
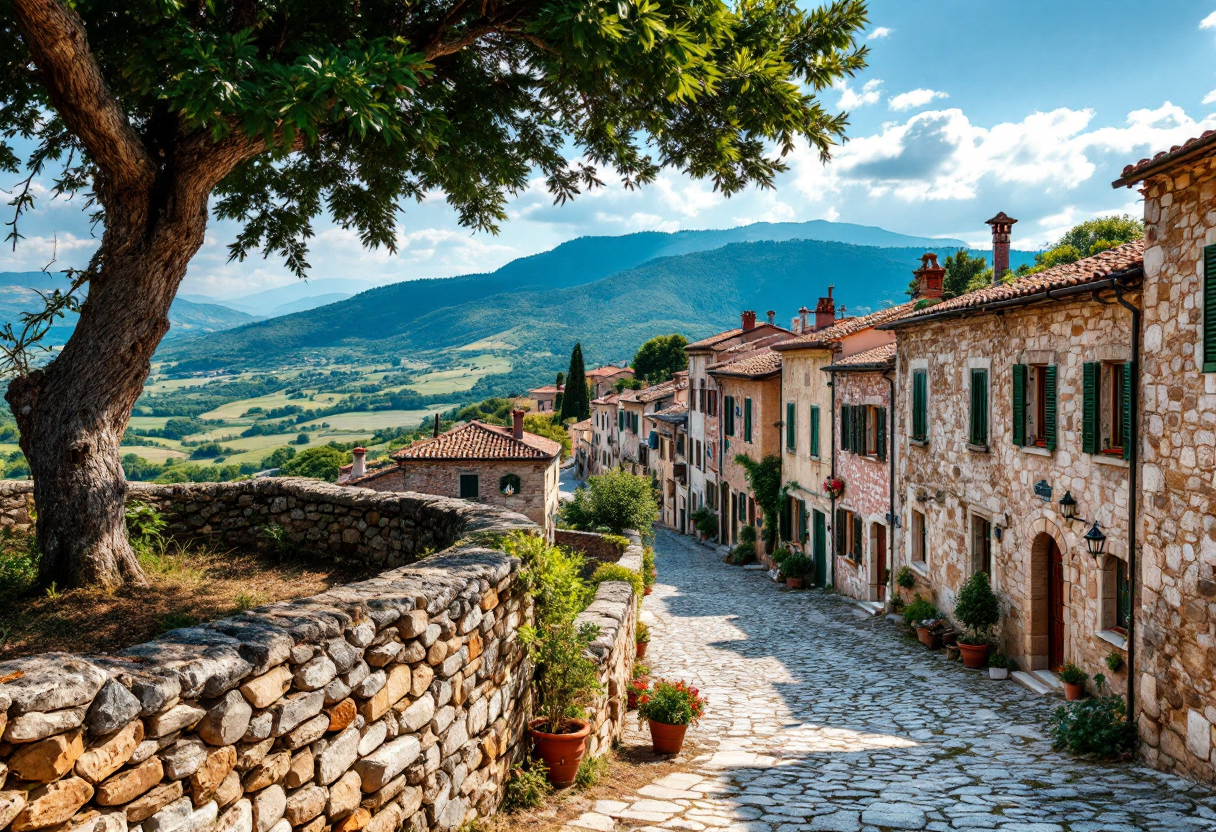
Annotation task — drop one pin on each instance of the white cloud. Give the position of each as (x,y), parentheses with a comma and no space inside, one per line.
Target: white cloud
(885,31)
(1210,98)
(1208,22)
(914,98)
(851,99)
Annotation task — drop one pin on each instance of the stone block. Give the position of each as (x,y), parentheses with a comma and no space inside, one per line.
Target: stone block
(268,807)
(50,682)
(315,673)
(308,732)
(270,771)
(239,818)
(397,684)
(177,718)
(260,727)
(268,688)
(230,790)
(226,721)
(209,776)
(301,770)
(11,804)
(153,801)
(376,770)
(107,757)
(342,714)
(372,736)
(36,725)
(126,786)
(344,796)
(305,804)
(251,754)
(353,822)
(48,759)
(113,707)
(183,758)
(412,623)
(295,709)
(53,803)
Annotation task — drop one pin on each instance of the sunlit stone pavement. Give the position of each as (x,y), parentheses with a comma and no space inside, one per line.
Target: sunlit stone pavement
(821,720)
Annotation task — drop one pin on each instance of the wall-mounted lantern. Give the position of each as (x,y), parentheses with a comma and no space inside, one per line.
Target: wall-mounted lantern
(1068,508)
(1095,541)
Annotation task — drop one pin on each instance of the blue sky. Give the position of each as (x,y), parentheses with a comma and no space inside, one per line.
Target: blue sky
(1031,107)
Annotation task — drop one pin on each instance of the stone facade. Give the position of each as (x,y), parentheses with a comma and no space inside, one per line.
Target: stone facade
(735,495)
(950,490)
(1177,626)
(399,702)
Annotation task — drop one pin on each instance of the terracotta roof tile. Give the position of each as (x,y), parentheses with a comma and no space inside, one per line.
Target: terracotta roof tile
(714,340)
(583,425)
(848,326)
(884,354)
(660,391)
(1167,158)
(758,364)
(606,371)
(477,440)
(1100,266)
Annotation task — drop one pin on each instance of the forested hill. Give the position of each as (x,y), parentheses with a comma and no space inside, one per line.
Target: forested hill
(695,294)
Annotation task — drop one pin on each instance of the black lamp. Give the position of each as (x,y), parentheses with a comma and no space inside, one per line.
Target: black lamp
(1095,541)
(1068,506)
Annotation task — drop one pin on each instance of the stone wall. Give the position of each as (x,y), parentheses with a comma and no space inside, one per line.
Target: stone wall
(594,546)
(399,702)
(1176,653)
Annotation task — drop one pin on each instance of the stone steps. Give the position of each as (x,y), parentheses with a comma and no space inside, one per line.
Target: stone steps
(1031,682)
(871,607)
(1050,679)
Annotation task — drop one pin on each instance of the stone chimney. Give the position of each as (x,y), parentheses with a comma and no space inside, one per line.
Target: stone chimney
(749,320)
(929,277)
(359,467)
(517,424)
(802,313)
(825,311)
(1002,225)
(771,313)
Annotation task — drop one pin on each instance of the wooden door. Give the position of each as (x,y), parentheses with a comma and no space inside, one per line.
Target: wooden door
(1055,605)
(820,547)
(878,570)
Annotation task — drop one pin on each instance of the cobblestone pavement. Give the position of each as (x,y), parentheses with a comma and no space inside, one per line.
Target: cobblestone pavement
(820,720)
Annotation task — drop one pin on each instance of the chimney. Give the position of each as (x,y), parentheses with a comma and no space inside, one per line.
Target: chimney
(825,311)
(749,321)
(517,424)
(436,431)
(802,313)
(929,277)
(1001,224)
(359,468)
(771,313)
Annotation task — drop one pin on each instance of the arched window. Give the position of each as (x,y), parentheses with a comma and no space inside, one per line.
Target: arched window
(509,484)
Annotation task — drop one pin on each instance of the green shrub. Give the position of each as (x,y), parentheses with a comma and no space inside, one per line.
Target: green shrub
(1114,660)
(649,570)
(144,524)
(671,703)
(1000,660)
(589,772)
(978,608)
(919,610)
(18,563)
(616,501)
(641,634)
(566,678)
(619,541)
(905,578)
(1095,727)
(797,565)
(552,575)
(780,554)
(705,521)
(528,786)
(1072,674)
(747,535)
(323,463)
(616,572)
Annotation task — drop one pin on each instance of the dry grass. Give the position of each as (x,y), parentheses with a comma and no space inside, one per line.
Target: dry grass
(186,586)
(630,766)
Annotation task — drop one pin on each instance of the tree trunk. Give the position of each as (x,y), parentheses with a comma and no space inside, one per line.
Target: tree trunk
(72,413)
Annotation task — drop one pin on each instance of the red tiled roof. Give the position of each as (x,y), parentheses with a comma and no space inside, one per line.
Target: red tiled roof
(1190,149)
(672,410)
(477,440)
(609,398)
(1124,258)
(758,364)
(583,425)
(660,391)
(884,354)
(848,326)
(607,371)
(714,340)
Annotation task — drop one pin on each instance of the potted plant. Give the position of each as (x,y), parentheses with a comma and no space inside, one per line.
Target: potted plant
(979,611)
(1114,661)
(833,487)
(795,568)
(999,666)
(641,638)
(920,615)
(1073,678)
(669,708)
(905,578)
(638,684)
(566,682)
(705,522)
(650,573)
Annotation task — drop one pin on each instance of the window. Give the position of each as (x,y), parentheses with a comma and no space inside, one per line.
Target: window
(701,396)
(979,409)
(920,405)
(1106,408)
(815,430)
(747,420)
(742,508)
(469,487)
(791,426)
(1209,309)
(1123,597)
(846,431)
(698,459)
(981,544)
(728,415)
(800,508)
(507,484)
(920,549)
(849,534)
(713,402)
(1034,405)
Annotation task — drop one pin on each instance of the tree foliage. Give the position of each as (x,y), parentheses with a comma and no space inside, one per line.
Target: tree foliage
(613,501)
(543,425)
(576,400)
(323,463)
(961,270)
(764,477)
(660,357)
(1089,238)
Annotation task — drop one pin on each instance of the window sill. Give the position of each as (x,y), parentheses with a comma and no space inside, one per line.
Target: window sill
(979,449)
(920,567)
(1035,450)
(1114,637)
(1112,461)
(918,443)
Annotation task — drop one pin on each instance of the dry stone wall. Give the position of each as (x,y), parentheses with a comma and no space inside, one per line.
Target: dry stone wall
(399,702)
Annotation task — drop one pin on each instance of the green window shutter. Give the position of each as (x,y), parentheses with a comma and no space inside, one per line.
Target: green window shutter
(728,417)
(819,544)
(1209,309)
(920,404)
(1127,410)
(791,425)
(1049,406)
(880,431)
(979,407)
(747,420)
(620,420)
(1091,378)
(861,432)
(858,530)
(1019,404)
(846,427)
(840,532)
(814,430)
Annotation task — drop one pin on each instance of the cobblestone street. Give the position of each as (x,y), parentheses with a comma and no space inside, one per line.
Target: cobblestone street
(821,720)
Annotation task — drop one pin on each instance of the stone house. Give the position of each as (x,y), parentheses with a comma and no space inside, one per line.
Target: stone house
(863,534)
(704,408)
(632,409)
(1011,441)
(668,463)
(751,424)
(545,398)
(808,455)
(581,435)
(605,434)
(499,466)
(602,380)
(1175,465)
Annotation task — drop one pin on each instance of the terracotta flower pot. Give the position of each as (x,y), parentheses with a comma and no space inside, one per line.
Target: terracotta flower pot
(998,672)
(926,637)
(794,583)
(561,753)
(667,739)
(647,590)
(642,649)
(1074,691)
(975,656)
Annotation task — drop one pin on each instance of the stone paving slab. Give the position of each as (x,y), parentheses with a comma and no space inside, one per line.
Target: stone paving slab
(819,720)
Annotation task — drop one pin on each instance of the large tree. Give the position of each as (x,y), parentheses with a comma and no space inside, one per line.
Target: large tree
(273,112)
(660,357)
(576,401)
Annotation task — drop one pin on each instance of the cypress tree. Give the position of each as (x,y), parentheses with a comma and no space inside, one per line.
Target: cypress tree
(576,404)
(557,400)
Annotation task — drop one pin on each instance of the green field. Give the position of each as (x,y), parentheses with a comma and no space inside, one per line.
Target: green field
(148,422)
(462,378)
(151,453)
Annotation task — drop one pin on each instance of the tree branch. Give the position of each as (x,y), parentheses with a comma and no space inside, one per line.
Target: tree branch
(59,47)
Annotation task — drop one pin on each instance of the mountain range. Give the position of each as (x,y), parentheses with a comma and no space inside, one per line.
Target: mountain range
(299,296)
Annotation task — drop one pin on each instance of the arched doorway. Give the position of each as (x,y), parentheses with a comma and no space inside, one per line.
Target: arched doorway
(1047,602)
